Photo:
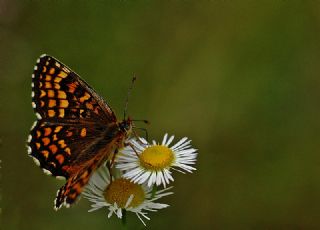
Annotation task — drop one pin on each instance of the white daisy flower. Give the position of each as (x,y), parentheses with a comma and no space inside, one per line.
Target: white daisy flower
(142,162)
(122,195)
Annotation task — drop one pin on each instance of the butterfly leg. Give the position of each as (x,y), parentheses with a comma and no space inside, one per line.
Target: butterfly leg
(131,145)
(109,167)
(114,157)
(138,138)
(145,132)
(111,163)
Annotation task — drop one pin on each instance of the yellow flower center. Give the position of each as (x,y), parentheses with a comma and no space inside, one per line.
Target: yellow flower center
(119,191)
(156,157)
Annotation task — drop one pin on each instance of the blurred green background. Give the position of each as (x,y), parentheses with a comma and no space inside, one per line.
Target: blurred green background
(240,78)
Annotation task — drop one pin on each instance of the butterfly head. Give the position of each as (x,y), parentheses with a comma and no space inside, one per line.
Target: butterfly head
(126,125)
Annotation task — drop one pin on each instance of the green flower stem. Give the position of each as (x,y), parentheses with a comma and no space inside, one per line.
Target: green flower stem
(124,217)
(154,190)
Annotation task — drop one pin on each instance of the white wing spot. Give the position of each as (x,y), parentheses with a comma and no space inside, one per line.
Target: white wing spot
(32,94)
(29,148)
(60,178)
(47,172)
(66,204)
(36,161)
(43,55)
(38,116)
(32,75)
(34,125)
(32,84)
(29,139)
(35,67)
(55,203)
(33,105)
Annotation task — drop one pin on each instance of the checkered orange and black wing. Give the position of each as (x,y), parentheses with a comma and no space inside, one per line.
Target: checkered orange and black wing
(72,122)
(58,93)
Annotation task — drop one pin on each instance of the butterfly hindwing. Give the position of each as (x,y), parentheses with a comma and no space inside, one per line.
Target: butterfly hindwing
(82,170)
(68,193)
(56,146)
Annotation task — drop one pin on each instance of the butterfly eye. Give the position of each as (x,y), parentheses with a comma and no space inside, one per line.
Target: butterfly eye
(125,126)
(122,127)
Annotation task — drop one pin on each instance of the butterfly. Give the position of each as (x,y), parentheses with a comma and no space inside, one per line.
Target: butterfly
(76,130)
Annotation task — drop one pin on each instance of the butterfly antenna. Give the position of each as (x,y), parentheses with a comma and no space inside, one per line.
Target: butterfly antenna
(140,120)
(128,94)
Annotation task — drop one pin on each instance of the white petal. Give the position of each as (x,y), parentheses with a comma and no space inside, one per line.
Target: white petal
(179,143)
(152,179)
(119,213)
(164,139)
(170,140)
(140,218)
(129,201)
(110,213)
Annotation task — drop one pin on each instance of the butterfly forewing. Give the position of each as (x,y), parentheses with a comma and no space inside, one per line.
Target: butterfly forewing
(58,92)
(76,130)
